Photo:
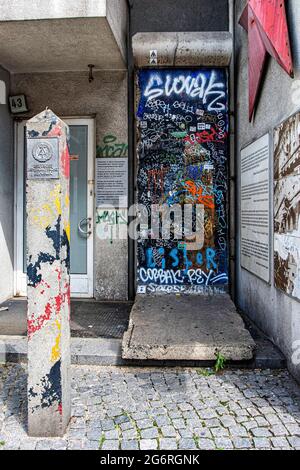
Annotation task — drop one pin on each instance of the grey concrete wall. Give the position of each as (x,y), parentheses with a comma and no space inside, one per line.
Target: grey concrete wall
(15,10)
(6,196)
(71,94)
(207,49)
(24,45)
(276,313)
(117,16)
(179,15)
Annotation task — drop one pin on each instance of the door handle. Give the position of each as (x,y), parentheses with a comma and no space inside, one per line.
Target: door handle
(85,221)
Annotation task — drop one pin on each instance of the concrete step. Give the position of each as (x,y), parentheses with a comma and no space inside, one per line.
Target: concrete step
(186,328)
(108,352)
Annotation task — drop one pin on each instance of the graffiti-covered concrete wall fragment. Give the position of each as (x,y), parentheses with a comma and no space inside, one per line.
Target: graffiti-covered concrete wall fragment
(182,133)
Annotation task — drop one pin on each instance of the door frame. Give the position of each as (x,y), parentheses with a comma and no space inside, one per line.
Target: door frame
(20,282)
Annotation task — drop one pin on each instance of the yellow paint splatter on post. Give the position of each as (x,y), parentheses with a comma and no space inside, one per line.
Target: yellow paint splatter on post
(56,352)
(55,197)
(68,230)
(42,216)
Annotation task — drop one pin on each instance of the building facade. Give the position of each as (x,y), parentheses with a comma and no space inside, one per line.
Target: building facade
(155,93)
(45,54)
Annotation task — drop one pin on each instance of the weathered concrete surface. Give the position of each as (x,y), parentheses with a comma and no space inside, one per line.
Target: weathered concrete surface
(56,26)
(48,276)
(186,328)
(117,17)
(24,45)
(183,49)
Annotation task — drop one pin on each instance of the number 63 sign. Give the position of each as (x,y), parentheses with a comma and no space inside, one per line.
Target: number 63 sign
(18,104)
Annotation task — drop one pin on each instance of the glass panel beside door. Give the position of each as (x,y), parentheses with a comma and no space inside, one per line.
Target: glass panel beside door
(78,146)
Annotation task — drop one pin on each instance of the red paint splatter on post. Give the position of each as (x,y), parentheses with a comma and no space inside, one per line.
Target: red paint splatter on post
(55,132)
(58,274)
(35,324)
(58,301)
(59,409)
(45,284)
(65,159)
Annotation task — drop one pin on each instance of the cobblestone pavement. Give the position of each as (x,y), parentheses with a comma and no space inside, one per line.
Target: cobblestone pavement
(165,408)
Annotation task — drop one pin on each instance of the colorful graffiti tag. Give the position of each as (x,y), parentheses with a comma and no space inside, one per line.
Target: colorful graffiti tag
(110,147)
(182,139)
(111,224)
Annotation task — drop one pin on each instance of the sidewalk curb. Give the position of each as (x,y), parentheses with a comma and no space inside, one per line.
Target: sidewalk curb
(107,352)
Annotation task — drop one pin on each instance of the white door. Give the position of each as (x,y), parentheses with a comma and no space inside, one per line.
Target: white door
(82,148)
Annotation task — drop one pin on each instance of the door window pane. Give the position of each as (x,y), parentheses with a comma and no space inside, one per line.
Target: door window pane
(78,146)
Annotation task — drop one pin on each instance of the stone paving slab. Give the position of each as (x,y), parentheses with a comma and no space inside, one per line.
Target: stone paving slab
(162,408)
(186,328)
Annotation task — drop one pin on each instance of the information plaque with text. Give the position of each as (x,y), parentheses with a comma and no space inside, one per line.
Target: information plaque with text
(255,208)
(112,182)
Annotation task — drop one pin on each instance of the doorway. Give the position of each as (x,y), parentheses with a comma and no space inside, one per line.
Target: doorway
(82,148)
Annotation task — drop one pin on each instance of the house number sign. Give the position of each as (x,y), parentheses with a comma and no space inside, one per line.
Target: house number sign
(42,158)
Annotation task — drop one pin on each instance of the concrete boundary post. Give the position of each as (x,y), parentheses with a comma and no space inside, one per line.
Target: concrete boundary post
(48,268)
